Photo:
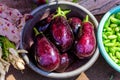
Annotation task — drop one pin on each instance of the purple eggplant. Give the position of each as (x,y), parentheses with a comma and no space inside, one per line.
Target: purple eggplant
(46,54)
(61,31)
(64,62)
(66,59)
(86,43)
(42,25)
(75,24)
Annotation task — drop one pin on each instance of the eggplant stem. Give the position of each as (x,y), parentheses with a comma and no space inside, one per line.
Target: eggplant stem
(37,32)
(47,1)
(86,19)
(61,13)
(67,11)
(59,10)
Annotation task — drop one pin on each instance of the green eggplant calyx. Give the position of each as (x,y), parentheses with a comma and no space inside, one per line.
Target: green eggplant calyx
(60,12)
(36,31)
(47,1)
(86,19)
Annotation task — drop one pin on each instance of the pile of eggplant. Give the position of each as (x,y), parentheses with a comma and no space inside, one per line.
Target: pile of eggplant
(60,40)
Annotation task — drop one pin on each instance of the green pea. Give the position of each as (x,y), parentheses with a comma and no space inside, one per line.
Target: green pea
(117,29)
(104,30)
(104,36)
(116,48)
(107,49)
(117,15)
(112,51)
(118,34)
(118,38)
(109,44)
(117,44)
(118,55)
(114,41)
(118,63)
(114,20)
(108,33)
(107,23)
(106,41)
(114,58)
(113,25)
(112,37)
(109,29)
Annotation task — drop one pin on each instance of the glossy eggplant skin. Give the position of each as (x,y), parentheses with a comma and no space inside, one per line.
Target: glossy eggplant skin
(75,24)
(46,54)
(62,33)
(86,43)
(42,25)
(64,62)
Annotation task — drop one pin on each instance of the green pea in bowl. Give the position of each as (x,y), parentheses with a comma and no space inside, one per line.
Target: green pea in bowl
(108,37)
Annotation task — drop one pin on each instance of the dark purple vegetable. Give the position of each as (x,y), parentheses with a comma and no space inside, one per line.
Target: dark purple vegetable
(61,31)
(86,43)
(42,25)
(64,62)
(46,54)
(66,59)
(75,24)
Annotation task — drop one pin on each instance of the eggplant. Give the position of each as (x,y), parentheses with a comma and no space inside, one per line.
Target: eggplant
(61,30)
(42,25)
(46,54)
(86,43)
(75,24)
(66,59)
(64,62)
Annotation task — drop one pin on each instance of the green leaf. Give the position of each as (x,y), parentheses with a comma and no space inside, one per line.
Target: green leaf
(6,44)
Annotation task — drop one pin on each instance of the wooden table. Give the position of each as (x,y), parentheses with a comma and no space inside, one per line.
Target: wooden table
(99,71)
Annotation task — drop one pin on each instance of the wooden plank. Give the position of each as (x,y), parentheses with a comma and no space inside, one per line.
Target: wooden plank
(99,6)
(24,6)
(94,6)
(82,76)
(10,77)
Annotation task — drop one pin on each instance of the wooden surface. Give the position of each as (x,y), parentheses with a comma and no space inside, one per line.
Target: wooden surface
(99,71)
(95,6)
(99,6)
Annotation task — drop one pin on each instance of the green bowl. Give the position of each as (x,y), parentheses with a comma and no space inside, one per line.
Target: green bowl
(100,41)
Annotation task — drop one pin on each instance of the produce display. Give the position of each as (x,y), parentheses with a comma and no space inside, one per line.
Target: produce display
(59,40)
(11,23)
(111,37)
